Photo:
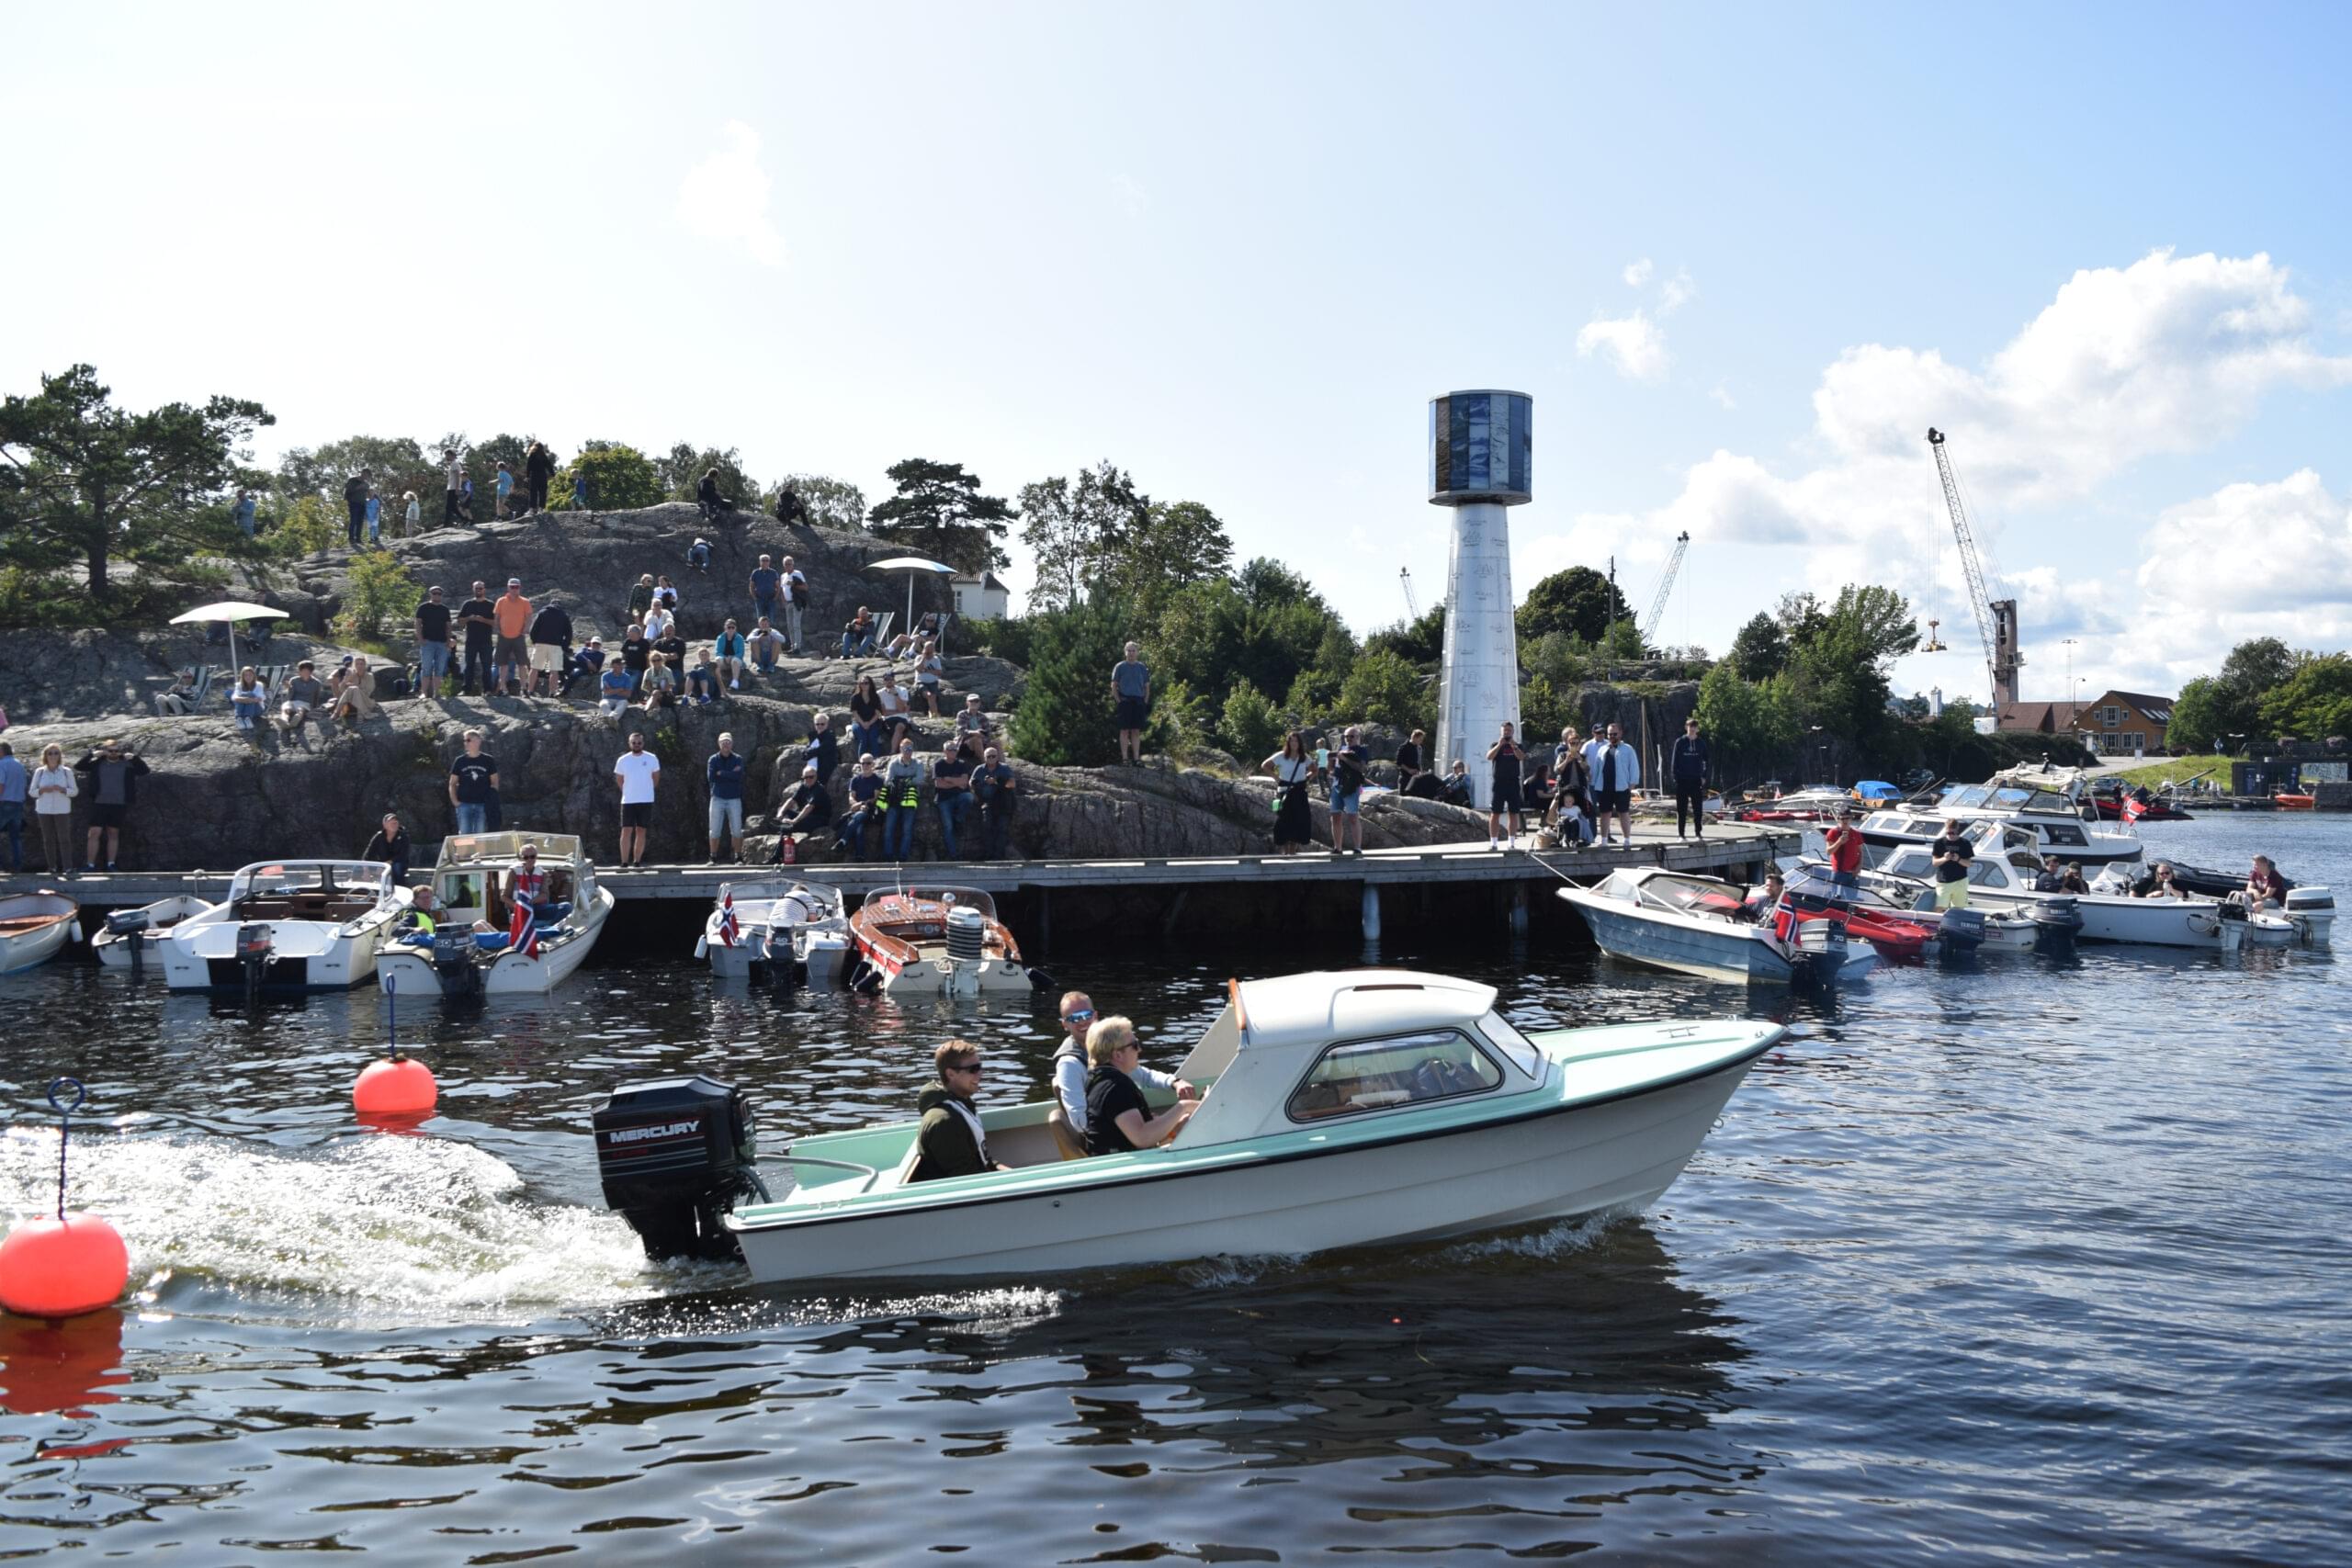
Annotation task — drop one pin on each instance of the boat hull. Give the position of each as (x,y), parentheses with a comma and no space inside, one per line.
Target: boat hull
(1725,954)
(33,926)
(1568,1162)
(508,974)
(307,957)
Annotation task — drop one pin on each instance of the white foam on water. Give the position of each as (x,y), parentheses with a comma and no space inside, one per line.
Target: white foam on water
(1554,1240)
(412,1228)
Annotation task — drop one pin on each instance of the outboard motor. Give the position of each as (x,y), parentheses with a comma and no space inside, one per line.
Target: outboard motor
(2056,918)
(2232,920)
(132,926)
(674,1154)
(255,946)
(1962,932)
(2312,910)
(454,965)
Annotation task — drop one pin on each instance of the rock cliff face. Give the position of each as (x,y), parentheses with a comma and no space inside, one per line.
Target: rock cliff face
(591,560)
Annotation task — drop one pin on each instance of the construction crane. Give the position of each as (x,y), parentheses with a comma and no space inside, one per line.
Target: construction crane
(1651,621)
(1997,619)
(1412,605)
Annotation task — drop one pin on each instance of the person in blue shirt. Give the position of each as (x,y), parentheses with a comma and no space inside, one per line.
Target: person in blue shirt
(728,649)
(724,773)
(14,782)
(765,583)
(702,682)
(864,789)
(612,691)
(588,664)
(243,513)
(580,491)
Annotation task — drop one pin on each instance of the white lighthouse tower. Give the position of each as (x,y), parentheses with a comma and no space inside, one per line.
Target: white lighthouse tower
(1481,460)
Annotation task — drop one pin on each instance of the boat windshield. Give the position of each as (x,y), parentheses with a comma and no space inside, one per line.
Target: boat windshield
(1512,1043)
(1968,796)
(1690,895)
(310,876)
(882,900)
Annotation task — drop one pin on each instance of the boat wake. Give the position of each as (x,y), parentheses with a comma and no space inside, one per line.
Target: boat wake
(380,1229)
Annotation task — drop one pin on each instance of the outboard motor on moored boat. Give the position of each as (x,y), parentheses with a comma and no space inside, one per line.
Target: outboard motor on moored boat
(674,1154)
(132,926)
(1961,932)
(255,945)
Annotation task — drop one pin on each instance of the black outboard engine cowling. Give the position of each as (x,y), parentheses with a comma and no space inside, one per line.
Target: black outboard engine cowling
(674,1155)
(455,966)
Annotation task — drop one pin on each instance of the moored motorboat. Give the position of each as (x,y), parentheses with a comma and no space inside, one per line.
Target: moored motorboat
(1673,920)
(130,934)
(34,926)
(488,934)
(945,941)
(289,925)
(1956,933)
(2049,803)
(1337,1111)
(782,920)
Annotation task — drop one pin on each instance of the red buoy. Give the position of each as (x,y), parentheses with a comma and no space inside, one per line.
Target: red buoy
(400,1089)
(59,1267)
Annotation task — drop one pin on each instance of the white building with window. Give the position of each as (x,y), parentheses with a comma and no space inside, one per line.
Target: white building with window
(980,596)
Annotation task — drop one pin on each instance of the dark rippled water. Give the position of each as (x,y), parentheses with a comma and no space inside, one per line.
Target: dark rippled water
(2040,1262)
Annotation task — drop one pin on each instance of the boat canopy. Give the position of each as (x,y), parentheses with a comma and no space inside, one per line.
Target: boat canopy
(1312,1010)
(1877,789)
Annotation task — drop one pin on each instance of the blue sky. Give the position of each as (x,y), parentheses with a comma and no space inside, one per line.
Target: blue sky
(1738,254)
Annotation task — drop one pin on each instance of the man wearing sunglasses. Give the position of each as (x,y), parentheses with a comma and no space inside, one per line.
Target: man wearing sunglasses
(1069,1120)
(952,1142)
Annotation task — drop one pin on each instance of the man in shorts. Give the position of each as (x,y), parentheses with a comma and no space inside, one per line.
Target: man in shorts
(432,642)
(637,773)
(1351,764)
(1952,855)
(512,617)
(1131,689)
(551,647)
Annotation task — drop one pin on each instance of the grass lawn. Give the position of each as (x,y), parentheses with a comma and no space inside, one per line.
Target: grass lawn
(2168,770)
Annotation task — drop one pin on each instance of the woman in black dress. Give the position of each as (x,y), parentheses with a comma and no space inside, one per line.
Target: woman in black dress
(1292,768)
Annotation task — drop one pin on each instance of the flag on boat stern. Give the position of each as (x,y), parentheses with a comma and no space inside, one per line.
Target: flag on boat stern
(729,928)
(523,935)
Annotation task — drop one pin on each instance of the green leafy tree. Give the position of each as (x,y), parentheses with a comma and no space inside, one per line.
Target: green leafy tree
(830,503)
(1761,650)
(1080,532)
(1838,658)
(1179,543)
(1065,716)
(1622,640)
(1579,601)
(1543,711)
(397,464)
(619,478)
(680,471)
(940,510)
(378,586)
(2257,667)
(2313,703)
(311,526)
(85,484)
(2199,717)
(1748,722)
(1264,625)
(1250,726)
(1420,642)
(1383,689)
(1558,659)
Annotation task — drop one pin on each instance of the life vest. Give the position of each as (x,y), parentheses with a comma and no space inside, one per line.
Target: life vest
(905,792)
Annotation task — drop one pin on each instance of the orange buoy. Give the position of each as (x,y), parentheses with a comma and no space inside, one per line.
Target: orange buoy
(61,1266)
(74,1263)
(398,1088)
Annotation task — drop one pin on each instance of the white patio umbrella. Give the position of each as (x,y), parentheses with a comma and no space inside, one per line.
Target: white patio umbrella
(914,567)
(232,611)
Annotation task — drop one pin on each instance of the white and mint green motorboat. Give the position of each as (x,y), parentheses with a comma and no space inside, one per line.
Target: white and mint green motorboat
(1339,1109)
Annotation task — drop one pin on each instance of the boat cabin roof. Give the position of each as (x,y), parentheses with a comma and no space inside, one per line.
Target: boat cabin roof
(1328,1004)
(309,875)
(484,849)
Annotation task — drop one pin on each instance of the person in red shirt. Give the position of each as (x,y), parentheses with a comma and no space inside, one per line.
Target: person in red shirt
(1845,841)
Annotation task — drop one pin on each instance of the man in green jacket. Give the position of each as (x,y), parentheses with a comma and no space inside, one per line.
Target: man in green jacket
(952,1142)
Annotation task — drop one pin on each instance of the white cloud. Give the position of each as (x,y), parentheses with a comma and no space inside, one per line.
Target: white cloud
(1675,293)
(1632,344)
(1722,394)
(1637,273)
(2248,560)
(2167,355)
(725,197)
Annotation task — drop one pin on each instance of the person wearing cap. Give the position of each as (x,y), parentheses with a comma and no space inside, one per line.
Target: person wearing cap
(587,664)
(724,774)
(112,775)
(432,642)
(1844,842)
(611,688)
(806,807)
(512,616)
(951,1141)
(1068,1119)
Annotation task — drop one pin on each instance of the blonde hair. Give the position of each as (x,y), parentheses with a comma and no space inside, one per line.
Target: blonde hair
(1107,1039)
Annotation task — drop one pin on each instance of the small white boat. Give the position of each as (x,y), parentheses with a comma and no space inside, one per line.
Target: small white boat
(142,931)
(942,940)
(1670,919)
(33,926)
(779,921)
(311,925)
(473,886)
(2054,804)
(1370,1107)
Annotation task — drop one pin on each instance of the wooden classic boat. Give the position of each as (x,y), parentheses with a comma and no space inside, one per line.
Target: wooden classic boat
(310,925)
(941,941)
(33,926)
(473,881)
(1342,1110)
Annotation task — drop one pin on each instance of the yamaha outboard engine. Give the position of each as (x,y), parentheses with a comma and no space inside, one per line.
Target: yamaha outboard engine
(2056,919)
(674,1155)
(454,965)
(1961,932)
(132,926)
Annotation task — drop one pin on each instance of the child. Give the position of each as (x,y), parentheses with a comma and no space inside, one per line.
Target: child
(505,486)
(245,700)
(702,682)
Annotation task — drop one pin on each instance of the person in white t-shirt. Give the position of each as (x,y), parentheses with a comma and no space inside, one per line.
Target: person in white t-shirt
(637,773)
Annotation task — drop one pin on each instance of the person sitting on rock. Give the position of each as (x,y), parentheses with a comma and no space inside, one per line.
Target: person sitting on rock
(714,505)
(857,636)
(587,664)
(245,699)
(304,695)
(702,681)
(181,698)
(354,691)
(729,649)
(612,691)
(659,687)
(1457,784)
(765,646)
(807,807)
(864,790)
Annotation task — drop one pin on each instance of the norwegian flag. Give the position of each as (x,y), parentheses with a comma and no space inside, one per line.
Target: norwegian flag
(523,935)
(729,927)
(2133,807)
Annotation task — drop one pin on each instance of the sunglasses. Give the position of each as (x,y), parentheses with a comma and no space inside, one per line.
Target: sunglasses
(1077,1015)
(971,1066)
